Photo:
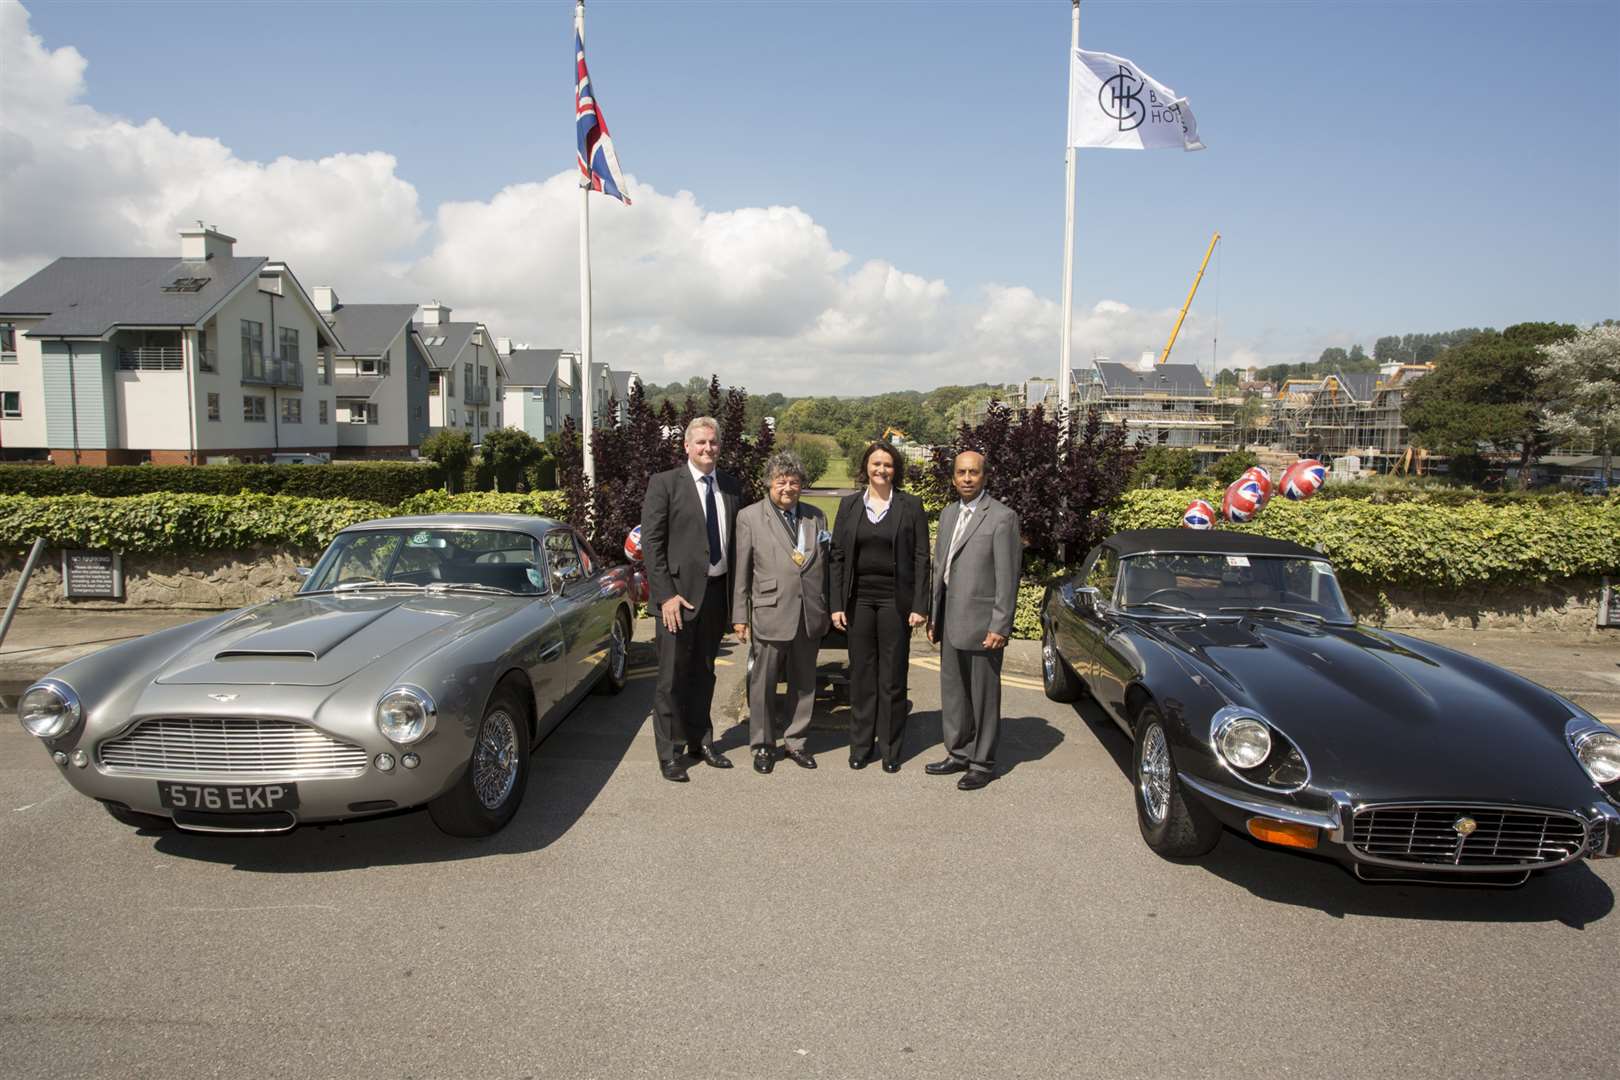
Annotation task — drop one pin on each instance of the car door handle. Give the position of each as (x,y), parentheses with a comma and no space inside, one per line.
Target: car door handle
(551,652)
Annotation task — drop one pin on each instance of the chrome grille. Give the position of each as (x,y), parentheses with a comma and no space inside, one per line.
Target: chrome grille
(230,747)
(1503,837)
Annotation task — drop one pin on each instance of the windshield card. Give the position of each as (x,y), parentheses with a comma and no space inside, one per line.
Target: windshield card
(1237,560)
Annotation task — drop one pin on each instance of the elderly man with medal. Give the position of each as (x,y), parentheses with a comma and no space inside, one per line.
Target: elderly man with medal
(780,587)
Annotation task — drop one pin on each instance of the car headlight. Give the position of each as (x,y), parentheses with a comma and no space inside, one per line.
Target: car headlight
(405,715)
(1243,741)
(49,708)
(1599,753)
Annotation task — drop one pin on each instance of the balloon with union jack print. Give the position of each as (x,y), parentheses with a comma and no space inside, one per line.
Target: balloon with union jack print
(1303,479)
(1261,478)
(632,545)
(1242,501)
(1198,515)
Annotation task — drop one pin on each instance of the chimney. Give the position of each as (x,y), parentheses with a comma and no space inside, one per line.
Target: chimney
(435,314)
(503,346)
(326,299)
(204,242)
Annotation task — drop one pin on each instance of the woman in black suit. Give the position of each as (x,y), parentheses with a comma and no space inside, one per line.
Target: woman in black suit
(880,593)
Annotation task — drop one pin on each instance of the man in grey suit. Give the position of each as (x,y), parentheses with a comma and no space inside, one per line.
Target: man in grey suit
(977,557)
(780,587)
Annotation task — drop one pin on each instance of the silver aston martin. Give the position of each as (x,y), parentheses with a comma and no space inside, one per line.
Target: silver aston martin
(419,663)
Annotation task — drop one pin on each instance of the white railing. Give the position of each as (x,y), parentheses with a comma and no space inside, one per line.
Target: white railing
(151,358)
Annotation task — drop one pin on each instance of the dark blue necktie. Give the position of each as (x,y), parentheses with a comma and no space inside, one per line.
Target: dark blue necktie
(713,517)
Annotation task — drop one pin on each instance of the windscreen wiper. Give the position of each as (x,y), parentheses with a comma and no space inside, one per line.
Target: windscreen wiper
(475,586)
(1278,611)
(368,586)
(1201,616)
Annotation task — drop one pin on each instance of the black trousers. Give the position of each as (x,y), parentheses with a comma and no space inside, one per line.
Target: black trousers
(879,655)
(685,692)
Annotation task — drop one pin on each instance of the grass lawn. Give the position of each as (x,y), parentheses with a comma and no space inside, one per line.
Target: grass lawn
(828,504)
(837,474)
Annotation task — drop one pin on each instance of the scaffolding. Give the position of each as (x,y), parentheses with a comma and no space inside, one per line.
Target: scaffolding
(1182,417)
(1336,416)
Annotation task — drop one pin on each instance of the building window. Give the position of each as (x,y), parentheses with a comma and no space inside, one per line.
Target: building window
(292,410)
(323,368)
(289,344)
(205,356)
(8,341)
(253,408)
(433,386)
(417,412)
(466,379)
(323,412)
(453,416)
(213,406)
(361,412)
(483,376)
(388,362)
(253,349)
(11,404)
(483,417)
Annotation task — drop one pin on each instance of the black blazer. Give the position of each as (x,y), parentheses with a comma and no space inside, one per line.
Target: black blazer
(911,581)
(675,534)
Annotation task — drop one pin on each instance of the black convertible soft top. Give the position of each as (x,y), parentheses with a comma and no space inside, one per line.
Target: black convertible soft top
(1202,542)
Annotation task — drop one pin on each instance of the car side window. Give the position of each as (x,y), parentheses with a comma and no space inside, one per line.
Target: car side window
(1102,574)
(586,555)
(561,552)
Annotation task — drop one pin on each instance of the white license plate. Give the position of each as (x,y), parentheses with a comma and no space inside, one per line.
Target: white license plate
(227,798)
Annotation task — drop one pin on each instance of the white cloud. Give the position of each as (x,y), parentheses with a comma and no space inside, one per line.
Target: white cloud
(761,295)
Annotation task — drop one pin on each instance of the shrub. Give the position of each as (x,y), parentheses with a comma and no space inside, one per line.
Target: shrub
(451,451)
(179,521)
(1164,467)
(386,482)
(1232,466)
(811,453)
(508,454)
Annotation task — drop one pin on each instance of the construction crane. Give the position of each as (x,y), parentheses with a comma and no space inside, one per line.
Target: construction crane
(1190,294)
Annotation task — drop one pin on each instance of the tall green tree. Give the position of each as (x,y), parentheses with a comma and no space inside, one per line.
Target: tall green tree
(451,451)
(1487,395)
(1581,380)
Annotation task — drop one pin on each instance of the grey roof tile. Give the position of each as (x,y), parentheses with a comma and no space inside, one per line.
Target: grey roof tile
(88,297)
(368,329)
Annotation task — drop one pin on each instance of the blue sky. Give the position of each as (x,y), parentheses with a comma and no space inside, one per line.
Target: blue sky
(1373,167)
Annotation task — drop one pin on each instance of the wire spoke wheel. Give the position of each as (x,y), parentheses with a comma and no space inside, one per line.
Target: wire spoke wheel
(495,761)
(1153,775)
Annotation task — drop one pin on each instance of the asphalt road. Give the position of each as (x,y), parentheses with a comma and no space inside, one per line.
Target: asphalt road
(816,924)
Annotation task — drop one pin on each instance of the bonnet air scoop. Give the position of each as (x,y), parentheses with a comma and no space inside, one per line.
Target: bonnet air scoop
(265,654)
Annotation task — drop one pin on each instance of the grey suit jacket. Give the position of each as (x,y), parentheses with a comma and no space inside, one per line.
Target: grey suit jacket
(983,593)
(781,598)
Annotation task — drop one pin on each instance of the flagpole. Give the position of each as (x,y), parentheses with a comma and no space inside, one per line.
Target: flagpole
(1064,370)
(588,419)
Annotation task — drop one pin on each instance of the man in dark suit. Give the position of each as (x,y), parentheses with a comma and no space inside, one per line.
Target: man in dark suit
(977,558)
(688,542)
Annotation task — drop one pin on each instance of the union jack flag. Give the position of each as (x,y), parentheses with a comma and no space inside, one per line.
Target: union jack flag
(597,162)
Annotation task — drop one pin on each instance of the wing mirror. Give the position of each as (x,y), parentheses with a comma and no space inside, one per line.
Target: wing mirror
(304,571)
(564,576)
(1086,597)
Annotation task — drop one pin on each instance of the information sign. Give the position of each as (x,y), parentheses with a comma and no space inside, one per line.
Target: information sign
(93,575)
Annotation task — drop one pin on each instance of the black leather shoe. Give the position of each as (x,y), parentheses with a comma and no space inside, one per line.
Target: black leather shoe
(673,770)
(891,766)
(712,757)
(802,758)
(764,760)
(859,762)
(945,768)
(973,781)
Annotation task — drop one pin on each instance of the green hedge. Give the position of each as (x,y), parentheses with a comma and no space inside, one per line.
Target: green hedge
(548,504)
(1414,544)
(178,521)
(386,482)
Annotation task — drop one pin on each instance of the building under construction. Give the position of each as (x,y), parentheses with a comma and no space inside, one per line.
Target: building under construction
(1342,414)
(1165,405)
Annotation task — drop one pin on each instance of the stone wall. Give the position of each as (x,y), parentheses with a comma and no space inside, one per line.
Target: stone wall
(215,580)
(1567,605)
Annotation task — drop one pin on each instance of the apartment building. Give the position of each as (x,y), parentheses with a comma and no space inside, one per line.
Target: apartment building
(1160,405)
(542,390)
(380,377)
(610,392)
(467,375)
(112,360)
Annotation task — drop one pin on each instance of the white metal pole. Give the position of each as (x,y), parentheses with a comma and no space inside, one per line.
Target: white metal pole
(1068,234)
(586,404)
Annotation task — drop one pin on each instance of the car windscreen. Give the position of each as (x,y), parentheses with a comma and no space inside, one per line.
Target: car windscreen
(487,559)
(1231,584)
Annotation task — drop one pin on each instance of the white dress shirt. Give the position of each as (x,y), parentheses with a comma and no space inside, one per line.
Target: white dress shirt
(963,516)
(719,568)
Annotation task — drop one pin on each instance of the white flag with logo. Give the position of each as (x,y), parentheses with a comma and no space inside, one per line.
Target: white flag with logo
(1116,105)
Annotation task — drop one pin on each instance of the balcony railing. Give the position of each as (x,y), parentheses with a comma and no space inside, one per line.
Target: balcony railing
(151,358)
(478,395)
(275,372)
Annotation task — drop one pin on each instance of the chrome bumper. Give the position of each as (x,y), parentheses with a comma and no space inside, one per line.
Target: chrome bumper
(1602,818)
